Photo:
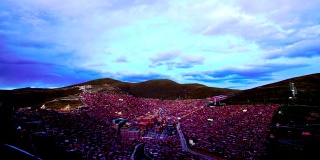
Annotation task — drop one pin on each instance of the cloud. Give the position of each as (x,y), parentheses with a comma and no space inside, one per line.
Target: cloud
(38,45)
(139,77)
(242,75)
(172,65)
(248,27)
(172,60)
(195,59)
(121,59)
(20,72)
(304,48)
(5,61)
(186,62)
(165,56)
(270,25)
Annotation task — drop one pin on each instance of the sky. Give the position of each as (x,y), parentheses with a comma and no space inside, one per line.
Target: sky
(236,44)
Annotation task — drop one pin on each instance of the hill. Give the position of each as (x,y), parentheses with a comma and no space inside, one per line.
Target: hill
(160,88)
(33,97)
(308,92)
(167,89)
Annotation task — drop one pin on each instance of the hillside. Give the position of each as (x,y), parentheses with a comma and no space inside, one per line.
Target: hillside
(308,92)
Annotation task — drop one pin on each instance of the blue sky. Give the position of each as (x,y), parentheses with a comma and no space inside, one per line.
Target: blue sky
(237,44)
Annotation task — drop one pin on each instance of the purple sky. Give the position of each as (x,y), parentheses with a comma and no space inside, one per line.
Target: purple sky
(238,44)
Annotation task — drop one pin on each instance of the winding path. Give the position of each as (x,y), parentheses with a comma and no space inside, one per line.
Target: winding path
(186,148)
